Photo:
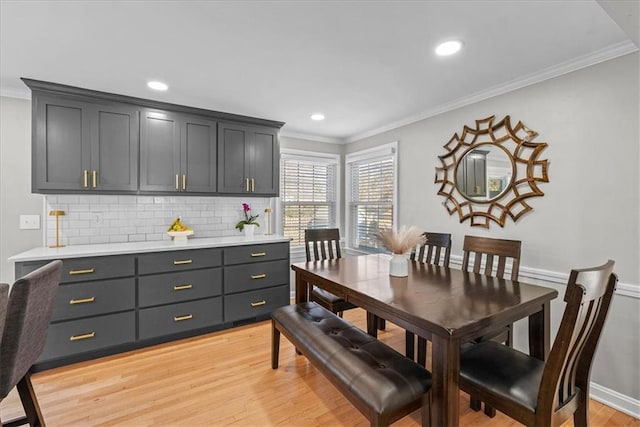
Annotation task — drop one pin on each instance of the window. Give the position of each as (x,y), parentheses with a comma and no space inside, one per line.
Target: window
(371,194)
(309,183)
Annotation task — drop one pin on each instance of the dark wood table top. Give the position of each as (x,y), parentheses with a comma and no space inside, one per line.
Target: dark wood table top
(444,301)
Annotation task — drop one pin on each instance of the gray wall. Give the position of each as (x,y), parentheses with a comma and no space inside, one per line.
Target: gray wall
(590,210)
(15,183)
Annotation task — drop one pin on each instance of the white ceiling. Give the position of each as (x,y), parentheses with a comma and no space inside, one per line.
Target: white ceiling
(367,65)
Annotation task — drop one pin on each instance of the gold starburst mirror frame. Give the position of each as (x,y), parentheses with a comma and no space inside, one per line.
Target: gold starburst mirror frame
(489,172)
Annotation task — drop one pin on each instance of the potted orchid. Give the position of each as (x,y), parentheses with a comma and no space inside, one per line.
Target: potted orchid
(248,224)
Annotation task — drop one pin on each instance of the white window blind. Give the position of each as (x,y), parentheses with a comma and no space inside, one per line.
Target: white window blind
(372,194)
(308,194)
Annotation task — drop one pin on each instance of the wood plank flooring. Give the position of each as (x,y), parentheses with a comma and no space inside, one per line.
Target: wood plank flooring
(221,379)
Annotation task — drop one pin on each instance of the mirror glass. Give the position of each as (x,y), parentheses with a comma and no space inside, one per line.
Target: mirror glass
(484,173)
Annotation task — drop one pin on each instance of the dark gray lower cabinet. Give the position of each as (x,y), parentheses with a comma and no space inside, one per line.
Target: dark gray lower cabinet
(84,335)
(108,304)
(174,318)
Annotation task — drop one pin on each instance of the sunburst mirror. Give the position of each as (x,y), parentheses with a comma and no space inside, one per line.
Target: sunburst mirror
(489,172)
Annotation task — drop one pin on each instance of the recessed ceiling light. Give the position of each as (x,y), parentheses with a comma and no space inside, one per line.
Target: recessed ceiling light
(317,116)
(448,48)
(157,86)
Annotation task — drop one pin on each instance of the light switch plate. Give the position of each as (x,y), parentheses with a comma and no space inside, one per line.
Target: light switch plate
(29,222)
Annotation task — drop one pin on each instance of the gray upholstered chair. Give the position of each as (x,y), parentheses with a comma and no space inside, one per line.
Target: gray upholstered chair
(25,331)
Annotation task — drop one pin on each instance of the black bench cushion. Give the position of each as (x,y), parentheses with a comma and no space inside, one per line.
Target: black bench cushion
(376,374)
(509,373)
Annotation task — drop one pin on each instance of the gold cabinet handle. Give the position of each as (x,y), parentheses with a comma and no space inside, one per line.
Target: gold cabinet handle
(182,287)
(94,179)
(184,181)
(246,185)
(82,301)
(177,187)
(82,337)
(257,254)
(259,276)
(258,303)
(181,318)
(87,271)
(184,261)
(85,178)
(253,185)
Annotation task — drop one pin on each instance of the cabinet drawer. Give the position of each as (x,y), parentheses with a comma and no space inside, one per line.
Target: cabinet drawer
(84,269)
(78,336)
(255,303)
(177,287)
(173,318)
(179,260)
(248,277)
(94,298)
(256,253)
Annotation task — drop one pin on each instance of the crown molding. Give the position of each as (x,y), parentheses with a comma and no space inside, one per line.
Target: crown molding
(602,55)
(308,137)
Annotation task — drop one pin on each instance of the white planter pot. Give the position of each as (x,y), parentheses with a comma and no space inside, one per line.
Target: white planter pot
(399,265)
(249,230)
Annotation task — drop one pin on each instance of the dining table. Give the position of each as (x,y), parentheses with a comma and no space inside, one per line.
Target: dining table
(445,305)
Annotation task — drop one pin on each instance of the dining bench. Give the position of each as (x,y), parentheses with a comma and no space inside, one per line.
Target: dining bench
(380,382)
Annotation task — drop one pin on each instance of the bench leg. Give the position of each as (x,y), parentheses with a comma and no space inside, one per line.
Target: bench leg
(372,325)
(425,411)
(275,345)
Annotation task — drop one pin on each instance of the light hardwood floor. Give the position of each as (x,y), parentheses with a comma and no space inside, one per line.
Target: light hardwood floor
(219,379)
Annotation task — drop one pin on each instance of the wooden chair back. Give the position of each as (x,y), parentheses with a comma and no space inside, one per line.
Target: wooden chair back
(323,242)
(431,252)
(494,253)
(565,380)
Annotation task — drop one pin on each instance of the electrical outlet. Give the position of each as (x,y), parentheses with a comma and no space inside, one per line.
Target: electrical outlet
(29,222)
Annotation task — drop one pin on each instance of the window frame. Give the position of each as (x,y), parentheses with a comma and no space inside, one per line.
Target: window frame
(309,156)
(381,151)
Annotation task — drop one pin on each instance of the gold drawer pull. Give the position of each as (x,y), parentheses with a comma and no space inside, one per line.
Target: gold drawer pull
(82,301)
(259,276)
(182,287)
(258,303)
(256,254)
(82,337)
(181,318)
(87,271)
(184,261)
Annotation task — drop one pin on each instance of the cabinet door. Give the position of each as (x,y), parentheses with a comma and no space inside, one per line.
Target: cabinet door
(114,152)
(232,161)
(265,162)
(199,156)
(61,144)
(159,151)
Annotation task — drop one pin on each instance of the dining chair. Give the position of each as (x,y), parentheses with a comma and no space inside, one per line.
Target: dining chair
(436,250)
(491,257)
(25,331)
(538,393)
(321,244)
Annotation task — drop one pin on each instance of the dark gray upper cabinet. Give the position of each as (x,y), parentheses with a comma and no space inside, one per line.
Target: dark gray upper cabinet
(177,153)
(90,141)
(84,146)
(248,160)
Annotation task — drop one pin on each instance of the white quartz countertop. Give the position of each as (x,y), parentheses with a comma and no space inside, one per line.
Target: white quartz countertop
(79,251)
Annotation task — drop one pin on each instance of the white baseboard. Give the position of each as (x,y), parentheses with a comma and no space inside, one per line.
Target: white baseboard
(618,401)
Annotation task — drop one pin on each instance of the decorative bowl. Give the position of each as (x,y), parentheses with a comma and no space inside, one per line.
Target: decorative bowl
(180,237)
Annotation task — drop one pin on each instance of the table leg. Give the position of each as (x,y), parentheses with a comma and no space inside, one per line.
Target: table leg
(445,390)
(540,332)
(302,288)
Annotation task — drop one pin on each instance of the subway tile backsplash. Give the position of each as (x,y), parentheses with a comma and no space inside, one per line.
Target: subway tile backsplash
(91,219)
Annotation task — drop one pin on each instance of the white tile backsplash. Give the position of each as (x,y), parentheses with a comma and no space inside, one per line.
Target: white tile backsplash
(91,219)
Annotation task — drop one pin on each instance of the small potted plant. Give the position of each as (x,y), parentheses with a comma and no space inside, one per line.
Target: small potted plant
(248,224)
(399,243)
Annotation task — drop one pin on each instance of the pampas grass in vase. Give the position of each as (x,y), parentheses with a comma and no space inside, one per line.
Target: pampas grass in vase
(399,243)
